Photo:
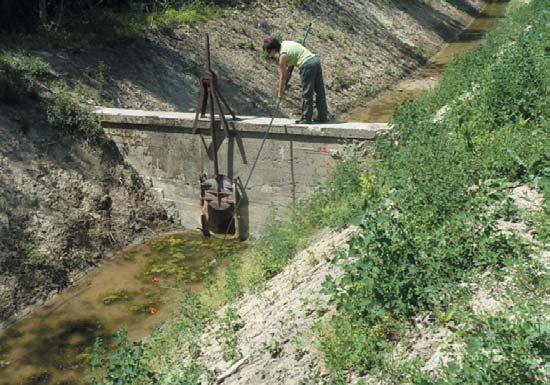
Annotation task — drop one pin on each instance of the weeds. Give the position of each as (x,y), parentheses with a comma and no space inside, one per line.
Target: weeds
(500,350)
(32,254)
(273,347)
(428,225)
(231,323)
(122,366)
(20,76)
(102,75)
(67,114)
(111,27)
(23,75)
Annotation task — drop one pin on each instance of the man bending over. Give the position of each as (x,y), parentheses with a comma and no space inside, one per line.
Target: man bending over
(293,54)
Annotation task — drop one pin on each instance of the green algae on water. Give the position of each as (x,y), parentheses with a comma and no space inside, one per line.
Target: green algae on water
(186,259)
(117,296)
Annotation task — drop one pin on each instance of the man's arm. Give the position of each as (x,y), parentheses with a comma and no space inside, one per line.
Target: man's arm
(283,75)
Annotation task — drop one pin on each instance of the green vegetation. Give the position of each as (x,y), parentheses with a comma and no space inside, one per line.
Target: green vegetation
(428,226)
(184,259)
(26,76)
(67,113)
(112,26)
(231,323)
(20,75)
(117,297)
(124,365)
(94,22)
(428,210)
(33,257)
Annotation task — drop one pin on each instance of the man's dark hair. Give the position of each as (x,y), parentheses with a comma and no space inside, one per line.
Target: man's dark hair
(272,43)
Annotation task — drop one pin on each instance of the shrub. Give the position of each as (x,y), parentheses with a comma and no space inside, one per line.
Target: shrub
(67,114)
(123,366)
(427,225)
(20,75)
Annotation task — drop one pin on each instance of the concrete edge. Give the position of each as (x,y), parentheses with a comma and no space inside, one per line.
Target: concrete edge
(250,124)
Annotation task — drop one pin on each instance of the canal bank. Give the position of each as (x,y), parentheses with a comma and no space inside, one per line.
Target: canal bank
(380,108)
(76,333)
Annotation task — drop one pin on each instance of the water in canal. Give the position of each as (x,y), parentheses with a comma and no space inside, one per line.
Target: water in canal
(382,107)
(136,289)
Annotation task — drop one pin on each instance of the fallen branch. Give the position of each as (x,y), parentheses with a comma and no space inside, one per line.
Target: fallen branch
(232,370)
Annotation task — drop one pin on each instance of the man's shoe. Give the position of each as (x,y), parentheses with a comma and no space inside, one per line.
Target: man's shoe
(303,121)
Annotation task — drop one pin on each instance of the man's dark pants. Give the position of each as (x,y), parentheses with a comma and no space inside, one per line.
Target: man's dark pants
(312,82)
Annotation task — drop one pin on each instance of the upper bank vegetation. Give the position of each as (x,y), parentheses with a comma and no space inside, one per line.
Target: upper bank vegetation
(433,209)
(63,23)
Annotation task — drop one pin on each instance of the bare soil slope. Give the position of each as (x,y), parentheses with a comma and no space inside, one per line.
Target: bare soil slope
(64,206)
(365,46)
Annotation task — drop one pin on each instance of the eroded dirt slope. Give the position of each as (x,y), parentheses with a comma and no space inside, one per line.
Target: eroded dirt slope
(365,46)
(64,205)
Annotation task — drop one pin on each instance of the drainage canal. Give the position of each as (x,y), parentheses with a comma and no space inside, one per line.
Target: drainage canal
(137,289)
(382,107)
(139,286)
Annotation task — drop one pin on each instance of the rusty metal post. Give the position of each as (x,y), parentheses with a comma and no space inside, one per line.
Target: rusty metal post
(208,67)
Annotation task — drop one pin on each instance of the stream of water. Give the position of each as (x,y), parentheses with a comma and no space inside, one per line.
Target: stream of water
(385,104)
(137,287)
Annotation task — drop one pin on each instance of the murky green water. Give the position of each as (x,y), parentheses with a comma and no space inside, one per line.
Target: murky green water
(136,289)
(383,106)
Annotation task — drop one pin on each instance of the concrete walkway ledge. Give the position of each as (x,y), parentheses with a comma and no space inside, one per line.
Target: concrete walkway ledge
(127,118)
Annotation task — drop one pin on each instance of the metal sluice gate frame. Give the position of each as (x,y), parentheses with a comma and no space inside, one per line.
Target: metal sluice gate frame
(219,195)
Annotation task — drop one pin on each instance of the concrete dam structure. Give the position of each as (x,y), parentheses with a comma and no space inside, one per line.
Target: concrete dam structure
(163,150)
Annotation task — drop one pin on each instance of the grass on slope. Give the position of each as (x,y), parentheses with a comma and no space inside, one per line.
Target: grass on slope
(430,226)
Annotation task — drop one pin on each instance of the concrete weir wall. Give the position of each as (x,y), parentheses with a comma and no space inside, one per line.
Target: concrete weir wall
(161,147)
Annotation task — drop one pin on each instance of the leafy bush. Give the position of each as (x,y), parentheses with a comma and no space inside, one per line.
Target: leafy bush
(231,323)
(67,114)
(20,75)
(123,366)
(500,350)
(427,224)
